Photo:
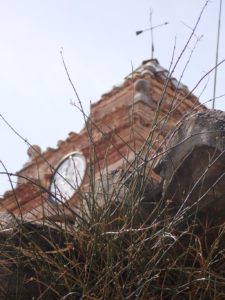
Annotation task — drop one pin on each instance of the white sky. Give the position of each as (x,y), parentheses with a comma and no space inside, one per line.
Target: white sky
(99,46)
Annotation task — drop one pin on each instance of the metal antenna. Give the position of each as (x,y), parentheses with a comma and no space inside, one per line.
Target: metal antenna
(152,41)
(217,55)
(151,28)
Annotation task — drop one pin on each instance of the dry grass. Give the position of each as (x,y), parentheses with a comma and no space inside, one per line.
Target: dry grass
(115,256)
(133,246)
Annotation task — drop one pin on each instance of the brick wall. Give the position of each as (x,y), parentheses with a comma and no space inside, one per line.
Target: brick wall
(119,124)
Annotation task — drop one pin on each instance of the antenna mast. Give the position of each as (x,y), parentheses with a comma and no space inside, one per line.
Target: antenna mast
(151,28)
(152,41)
(217,55)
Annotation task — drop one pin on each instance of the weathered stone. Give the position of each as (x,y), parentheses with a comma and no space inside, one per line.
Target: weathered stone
(193,166)
(34,151)
(21,245)
(7,221)
(142,91)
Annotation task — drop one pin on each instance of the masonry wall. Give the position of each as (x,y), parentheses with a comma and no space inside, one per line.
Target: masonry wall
(147,105)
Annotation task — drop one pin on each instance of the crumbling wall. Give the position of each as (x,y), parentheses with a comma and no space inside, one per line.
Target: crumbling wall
(193,166)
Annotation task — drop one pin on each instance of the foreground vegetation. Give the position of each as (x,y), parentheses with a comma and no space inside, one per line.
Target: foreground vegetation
(133,246)
(115,256)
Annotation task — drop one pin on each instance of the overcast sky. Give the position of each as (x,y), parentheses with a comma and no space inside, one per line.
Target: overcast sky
(99,46)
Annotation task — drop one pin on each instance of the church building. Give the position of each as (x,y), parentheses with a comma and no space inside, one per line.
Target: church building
(132,120)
